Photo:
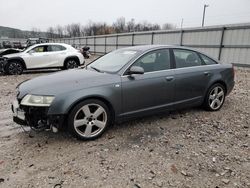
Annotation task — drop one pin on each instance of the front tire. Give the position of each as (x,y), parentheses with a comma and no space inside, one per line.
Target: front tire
(89,119)
(215,97)
(14,68)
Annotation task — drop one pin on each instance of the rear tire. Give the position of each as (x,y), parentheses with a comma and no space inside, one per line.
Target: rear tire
(14,68)
(215,97)
(89,119)
(71,64)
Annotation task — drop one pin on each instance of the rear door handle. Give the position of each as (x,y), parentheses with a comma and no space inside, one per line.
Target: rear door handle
(169,78)
(206,73)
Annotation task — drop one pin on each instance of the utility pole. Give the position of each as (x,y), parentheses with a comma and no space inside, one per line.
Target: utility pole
(204,12)
(182,22)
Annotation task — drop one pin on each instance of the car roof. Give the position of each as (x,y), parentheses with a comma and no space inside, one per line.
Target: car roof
(145,48)
(155,46)
(46,43)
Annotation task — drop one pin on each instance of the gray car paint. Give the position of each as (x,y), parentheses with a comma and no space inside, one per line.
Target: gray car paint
(130,95)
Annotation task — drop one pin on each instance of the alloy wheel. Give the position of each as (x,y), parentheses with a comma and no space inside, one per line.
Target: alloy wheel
(15,68)
(90,120)
(71,64)
(216,98)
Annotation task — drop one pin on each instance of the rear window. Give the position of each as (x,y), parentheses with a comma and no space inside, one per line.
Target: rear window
(207,60)
(186,58)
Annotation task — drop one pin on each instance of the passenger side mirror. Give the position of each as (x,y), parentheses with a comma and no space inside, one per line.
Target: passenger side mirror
(136,70)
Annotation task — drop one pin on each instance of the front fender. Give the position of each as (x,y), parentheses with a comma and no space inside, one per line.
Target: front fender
(63,103)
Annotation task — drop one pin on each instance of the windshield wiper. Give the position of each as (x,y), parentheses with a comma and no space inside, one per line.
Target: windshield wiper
(96,69)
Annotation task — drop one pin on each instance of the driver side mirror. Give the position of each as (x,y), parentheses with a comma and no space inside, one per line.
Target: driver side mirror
(136,70)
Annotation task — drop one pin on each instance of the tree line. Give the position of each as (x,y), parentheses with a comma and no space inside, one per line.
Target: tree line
(94,28)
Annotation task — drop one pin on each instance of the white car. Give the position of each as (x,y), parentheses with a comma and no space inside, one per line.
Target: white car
(44,56)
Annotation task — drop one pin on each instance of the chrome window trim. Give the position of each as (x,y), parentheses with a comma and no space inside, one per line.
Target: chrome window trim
(123,76)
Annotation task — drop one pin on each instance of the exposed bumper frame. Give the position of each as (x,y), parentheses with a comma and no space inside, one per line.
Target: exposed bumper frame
(37,118)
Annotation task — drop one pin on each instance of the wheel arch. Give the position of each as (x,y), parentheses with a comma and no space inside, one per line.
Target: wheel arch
(97,97)
(218,82)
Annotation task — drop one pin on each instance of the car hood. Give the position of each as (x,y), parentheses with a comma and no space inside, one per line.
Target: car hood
(18,54)
(66,81)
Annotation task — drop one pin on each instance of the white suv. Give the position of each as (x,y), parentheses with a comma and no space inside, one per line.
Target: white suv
(44,56)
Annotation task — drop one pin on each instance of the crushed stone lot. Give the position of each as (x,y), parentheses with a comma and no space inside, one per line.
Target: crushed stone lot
(188,148)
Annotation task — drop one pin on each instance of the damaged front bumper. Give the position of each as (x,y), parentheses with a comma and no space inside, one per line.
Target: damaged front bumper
(36,117)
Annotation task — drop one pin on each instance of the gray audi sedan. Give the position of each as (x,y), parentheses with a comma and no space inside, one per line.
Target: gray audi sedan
(124,84)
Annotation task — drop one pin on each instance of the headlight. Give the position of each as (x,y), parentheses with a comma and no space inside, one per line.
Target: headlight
(35,100)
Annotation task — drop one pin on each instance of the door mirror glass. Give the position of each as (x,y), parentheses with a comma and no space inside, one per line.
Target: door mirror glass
(136,70)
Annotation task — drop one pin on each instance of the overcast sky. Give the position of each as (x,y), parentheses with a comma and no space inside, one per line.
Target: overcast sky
(26,14)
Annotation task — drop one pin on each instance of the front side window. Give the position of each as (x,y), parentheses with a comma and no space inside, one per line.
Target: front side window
(207,60)
(39,49)
(154,61)
(186,58)
(114,61)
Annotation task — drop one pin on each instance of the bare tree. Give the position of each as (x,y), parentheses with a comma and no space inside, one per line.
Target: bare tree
(59,31)
(76,29)
(35,32)
(168,26)
(50,32)
(92,28)
(120,25)
(131,25)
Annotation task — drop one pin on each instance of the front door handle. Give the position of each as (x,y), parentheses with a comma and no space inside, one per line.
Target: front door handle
(169,78)
(206,73)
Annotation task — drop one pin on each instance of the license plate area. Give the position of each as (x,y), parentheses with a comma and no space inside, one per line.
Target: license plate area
(17,112)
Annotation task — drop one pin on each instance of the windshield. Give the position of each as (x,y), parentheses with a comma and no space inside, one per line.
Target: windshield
(113,61)
(28,48)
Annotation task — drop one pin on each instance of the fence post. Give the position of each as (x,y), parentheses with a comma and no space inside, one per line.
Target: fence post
(117,41)
(181,37)
(105,44)
(221,42)
(133,39)
(86,43)
(152,38)
(94,46)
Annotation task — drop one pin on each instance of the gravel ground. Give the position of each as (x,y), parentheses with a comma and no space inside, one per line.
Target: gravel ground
(188,148)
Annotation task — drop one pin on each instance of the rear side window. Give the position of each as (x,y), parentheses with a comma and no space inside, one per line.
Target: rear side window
(56,48)
(207,60)
(186,58)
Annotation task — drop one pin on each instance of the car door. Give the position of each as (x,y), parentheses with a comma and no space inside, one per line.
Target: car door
(191,76)
(152,90)
(37,57)
(57,54)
